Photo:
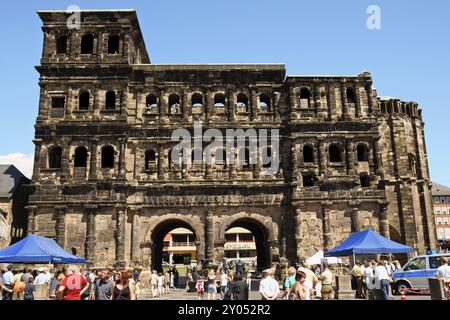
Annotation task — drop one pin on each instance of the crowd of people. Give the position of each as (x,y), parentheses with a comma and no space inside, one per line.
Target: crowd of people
(68,283)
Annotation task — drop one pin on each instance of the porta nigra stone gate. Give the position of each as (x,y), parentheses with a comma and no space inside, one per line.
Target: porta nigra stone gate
(104,184)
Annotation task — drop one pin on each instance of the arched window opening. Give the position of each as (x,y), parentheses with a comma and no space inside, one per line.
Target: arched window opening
(83,101)
(87,44)
(308,180)
(264,102)
(54,158)
(107,157)
(242,102)
(61,45)
(305,95)
(383,107)
(308,155)
(335,153)
(174,104)
(219,100)
(197,103)
(150,159)
(364,180)
(351,95)
(362,153)
(80,157)
(403,109)
(113,44)
(110,101)
(151,101)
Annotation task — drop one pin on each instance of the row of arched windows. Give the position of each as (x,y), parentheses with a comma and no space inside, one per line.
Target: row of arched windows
(80,157)
(305,96)
(335,154)
(108,155)
(84,101)
(87,44)
(198,102)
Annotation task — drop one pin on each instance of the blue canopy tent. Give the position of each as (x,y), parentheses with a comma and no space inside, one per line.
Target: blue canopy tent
(37,249)
(367,242)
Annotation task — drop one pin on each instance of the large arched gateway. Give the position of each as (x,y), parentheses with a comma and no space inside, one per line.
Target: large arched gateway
(261,241)
(158,243)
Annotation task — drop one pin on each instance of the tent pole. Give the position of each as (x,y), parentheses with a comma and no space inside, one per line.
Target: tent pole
(354,259)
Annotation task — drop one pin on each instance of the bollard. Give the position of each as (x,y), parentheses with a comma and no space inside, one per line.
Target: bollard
(403,296)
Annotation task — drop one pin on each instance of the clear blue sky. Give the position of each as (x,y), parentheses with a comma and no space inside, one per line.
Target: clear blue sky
(408,57)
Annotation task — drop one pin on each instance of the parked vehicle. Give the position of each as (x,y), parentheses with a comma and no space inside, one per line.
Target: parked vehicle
(415,274)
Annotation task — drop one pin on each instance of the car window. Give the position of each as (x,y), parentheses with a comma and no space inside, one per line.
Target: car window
(416,264)
(434,262)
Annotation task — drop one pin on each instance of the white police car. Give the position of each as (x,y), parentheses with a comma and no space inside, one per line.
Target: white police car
(415,274)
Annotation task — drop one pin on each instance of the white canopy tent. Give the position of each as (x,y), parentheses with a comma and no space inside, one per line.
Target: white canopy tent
(318,258)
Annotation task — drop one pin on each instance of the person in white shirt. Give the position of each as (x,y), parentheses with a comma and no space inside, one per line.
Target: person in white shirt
(369,280)
(382,277)
(41,278)
(269,287)
(223,284)
(444,272)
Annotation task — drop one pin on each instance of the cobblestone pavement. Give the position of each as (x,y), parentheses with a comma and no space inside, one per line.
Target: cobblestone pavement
(181,294)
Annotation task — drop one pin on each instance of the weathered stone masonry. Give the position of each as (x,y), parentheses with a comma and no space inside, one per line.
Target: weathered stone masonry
(104,185)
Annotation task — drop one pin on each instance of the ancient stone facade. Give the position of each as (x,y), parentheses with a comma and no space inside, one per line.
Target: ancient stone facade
(104,183)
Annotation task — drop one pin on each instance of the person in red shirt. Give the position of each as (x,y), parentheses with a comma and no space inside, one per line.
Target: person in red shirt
(73,284)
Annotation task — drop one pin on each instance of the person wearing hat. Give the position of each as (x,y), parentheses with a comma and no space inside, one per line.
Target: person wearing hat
(268,287)
(289,281)
(444,272)
(42,278)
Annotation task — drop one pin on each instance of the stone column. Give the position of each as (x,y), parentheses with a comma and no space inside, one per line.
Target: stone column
(317,101)
(326,225)
(356,220)
(162,104)
(369,97)
(160,162)
(298,232)
(275,106)
(209,108)
(96,104)
(135,236)
(93,160)
(253,105)
(344,100)
(350,152)
(358,109)
(70,102)
(65,159)
(120,236)
(231,105)
(37,158)
(384,222)
(185,105)
(376,155)
(295,163)
(209,231)
(199,252)
(31,219)
(322,157)
(61,225)
(122,168)
(233,169)
(123,95)
(90,234)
